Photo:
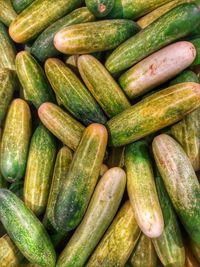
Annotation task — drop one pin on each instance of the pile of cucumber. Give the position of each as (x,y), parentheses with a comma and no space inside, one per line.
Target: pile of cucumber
(99,133)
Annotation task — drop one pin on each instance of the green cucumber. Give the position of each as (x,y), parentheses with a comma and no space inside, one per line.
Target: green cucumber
(153,113)
(168,28)
(25,230)
(61,124)
(20,5)
(81,178)
(39,170)
(142,190)
(102,208)
(34,82)
(102,86)
(94,36)
(196,43)
(180,181)
(17,188)
(118,242)
(185,76)
(26,27)
(43,46)
(100,8)
(7,13)
(72,93)
(195,250)
(15,140)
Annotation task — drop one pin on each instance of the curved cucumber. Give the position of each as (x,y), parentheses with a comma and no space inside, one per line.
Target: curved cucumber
(100,8)
(118,242)
(94,36)
(15,140)
(72,93)
(20,5)
(195,250)
(102,208)
(25,230)
(180,181)
(153,113)
(7,13)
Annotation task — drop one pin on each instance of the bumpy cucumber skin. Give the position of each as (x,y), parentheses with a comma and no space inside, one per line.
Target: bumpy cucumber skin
(168,28)
(34,82)
(118,242)
(180,181)
(39,170)
(102,208)
(83,38)
(100,8)
(7,13)
(15,140)
(72,93)
(81,178)
(43,46)
(20,5)
(153,113)
(185,76)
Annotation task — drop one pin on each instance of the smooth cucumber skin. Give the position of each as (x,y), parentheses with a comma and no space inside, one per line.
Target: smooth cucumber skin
(94,36)
(25,230)
(195,250)
(7,13)
(20,5)
(102,208)
(168,28)
(61,124)
(39,170)
(33,80)
(26,27)
(180,181)
(185,76)
(100,8)
(153,113)
(43,46)
(142,190)
(81,178)
(119,240)
(72,93)
(15,140)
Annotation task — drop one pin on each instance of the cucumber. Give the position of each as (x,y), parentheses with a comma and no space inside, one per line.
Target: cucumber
(144,254)
(72,93)
(94,36)
(61,124)
(39,170)
(81,178)
(185,76)
(102,208)
(17,188)
(180,181)
(15,140)
(153,113)
(3,182)
(26,27)
(196,43)
(158,68)
(20,5)
(43,46)
(168,28)
(195,250)
(25,230)
(118,242)
(34,82)
(100,8)
(142,190)
(7,13)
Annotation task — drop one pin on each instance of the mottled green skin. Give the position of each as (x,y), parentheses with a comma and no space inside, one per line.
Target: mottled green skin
(168,28)
(118,242)
(195,250)
(102,208)
(180,181)
(185,76)
(20,5)
(17,188)
(26,231)
(15,140)
(7,13)
(153,113)
(100,8)
(81,178)
(35,85)
(39,170)
(72,93)
(43,46)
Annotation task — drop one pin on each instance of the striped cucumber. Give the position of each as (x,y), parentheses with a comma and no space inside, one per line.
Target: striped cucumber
(142,190)
(185,76)
(7,13)
(34,82)
(61,124)
(15,140)
(20,5)
(118,242)
(81,178)
(25,230)
(94,36)
(102,208)
(168,28)
(153,113)
(72,93)
(195,250)
(157,68)
(180,181)
(43,46)
(100,8)
(39,170)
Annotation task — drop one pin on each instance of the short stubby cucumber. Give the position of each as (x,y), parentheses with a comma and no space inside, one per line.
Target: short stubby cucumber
(20,5)
(7,13)
(100,8)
